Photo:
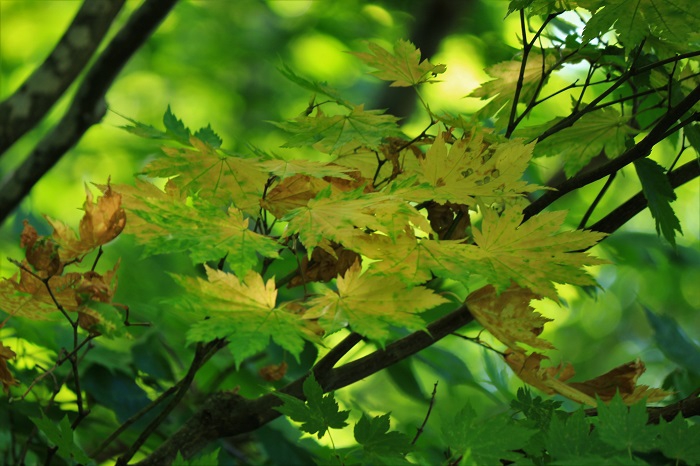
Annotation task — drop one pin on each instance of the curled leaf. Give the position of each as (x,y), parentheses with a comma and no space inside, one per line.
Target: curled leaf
(6,377)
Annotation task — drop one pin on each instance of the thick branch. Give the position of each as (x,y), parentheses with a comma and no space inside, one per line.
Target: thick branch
(227,414)
(642,149)
(30,103)
(88,106)
(638,202)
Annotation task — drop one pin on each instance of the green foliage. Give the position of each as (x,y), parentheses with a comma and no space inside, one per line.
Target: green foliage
(659,194)
(361,244)
(318,414)
(61,436)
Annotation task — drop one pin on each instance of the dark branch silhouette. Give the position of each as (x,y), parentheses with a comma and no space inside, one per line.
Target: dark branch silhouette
(88,106)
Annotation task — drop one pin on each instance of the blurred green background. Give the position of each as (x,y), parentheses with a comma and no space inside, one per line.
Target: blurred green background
(215,62)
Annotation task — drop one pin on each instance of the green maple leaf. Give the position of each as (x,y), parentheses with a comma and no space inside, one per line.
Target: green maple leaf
(165,222)
(679,441)
(204,171)
(403,67)
(61,435)
(484,441)
(320,412)
(501,89)
(604,130)
(569,440)
(371,303)
(315,86)
(659,194)
(379,446)
(625,427)
(243,311)
(469,171)
(634,20)
(360,127)
(337,216)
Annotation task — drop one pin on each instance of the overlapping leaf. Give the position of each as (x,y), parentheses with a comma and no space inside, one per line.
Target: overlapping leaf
(370,304)
(602,131)
(502,88)
(403,67)
(168,223)
(659,193)
(202,170)
(338,216)
(360,127)
(634,20)
(102,222)
(242,310)
(6,377)
(470,170)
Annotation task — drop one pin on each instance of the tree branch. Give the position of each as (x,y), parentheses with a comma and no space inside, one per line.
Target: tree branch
(642,149)
(227,414)
(638,202)
(29,104)
(88,106)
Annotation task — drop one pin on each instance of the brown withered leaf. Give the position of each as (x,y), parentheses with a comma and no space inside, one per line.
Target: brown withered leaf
(6,377)
(623,378)
(509,316)
(323,266)
(273,372)
(102,222)
(552,380)
(443,216)
(41,252)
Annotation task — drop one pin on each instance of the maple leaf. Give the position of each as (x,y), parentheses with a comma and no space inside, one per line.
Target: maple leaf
(333,216)
(328,134)
(371,303)
(659,194)
(314,86)
(501,89)
(41,252)
(379,446)
(470,170)
(403,67)
(6,377)
(243,311)
(102,222)
(604,130)
(509,316)
(320,412)
(288,168)
(169,223)
(634,20)
(484,441)
(551,380)
(221,178)
(532,254)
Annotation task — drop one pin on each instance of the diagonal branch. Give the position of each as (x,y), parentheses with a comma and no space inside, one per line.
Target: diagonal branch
(642,149)
(638,202)
(88,106)
(29,104)
(226,414)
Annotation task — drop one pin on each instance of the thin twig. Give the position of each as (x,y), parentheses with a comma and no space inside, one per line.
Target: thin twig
(427,415)
(596,201)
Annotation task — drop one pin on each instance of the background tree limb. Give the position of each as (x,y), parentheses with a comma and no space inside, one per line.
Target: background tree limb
(88,106)
(29,104)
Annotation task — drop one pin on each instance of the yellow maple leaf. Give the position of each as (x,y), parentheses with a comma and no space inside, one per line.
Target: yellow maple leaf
(371,303)
(509,316)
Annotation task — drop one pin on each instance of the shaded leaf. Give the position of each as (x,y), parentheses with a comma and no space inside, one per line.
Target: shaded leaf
(659,194)
(318,414)
(61,435)
(674,342)
(379,446)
